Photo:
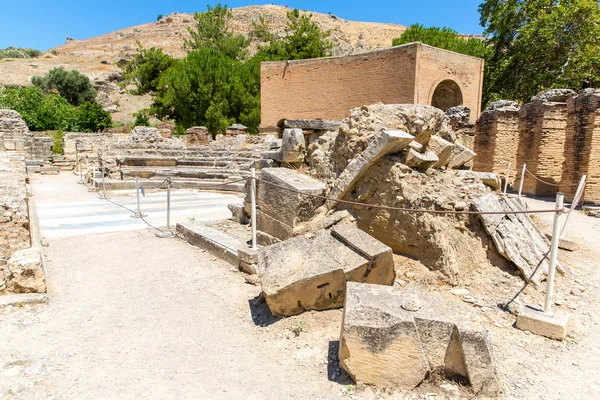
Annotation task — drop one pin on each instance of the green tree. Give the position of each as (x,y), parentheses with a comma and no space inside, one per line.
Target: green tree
(72,85)
(142,118)
(90,117)
(444,38)
(304,39)
(146,67)
(540,44)
(211,31)
(212,89)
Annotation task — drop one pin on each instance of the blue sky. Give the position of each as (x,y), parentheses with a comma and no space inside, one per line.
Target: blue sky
(43,24)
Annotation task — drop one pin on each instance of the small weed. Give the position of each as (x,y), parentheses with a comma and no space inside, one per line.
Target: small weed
(297,330)
(192,219)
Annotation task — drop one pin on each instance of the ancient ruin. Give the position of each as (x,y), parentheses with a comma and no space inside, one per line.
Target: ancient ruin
(327,88)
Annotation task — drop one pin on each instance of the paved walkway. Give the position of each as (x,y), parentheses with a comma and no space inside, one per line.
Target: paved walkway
(66,208)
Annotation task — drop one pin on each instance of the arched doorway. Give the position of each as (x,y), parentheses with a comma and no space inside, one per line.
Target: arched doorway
(447,94)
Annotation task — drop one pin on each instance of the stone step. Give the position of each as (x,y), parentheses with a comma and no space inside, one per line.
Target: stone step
(194,173)
(207,184)
(214,241)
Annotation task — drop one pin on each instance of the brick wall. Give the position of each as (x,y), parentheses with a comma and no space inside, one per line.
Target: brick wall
(496,141)
(542,127)
(329,87)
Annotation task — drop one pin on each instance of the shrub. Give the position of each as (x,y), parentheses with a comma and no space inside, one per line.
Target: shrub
(146,68)
(90,117)
(19,52)
(57,141)
(72,85)
(142,118)
(159,17)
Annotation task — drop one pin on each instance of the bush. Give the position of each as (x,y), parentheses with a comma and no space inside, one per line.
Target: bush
(91,117)
(444,38)
(146,68)
(57,141)
(72,85)
(52,112)
(159,17)
(142,118)
(19,52)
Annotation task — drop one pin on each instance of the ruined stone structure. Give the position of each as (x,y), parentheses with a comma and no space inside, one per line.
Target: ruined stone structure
(497,138)
(197,136)
(555,135)
(327,88)
(15,136)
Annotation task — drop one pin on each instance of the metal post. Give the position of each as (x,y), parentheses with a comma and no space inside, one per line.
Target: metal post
(506,180)
(103,183)
(522,179)
(138,214)
(576,198)
(78,160)
(168,204)
(253,200)
(553,253)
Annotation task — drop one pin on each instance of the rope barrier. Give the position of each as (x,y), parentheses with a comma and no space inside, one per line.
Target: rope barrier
(413,210)
(548,183)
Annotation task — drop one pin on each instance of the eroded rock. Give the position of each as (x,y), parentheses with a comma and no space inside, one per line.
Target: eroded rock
(25,272)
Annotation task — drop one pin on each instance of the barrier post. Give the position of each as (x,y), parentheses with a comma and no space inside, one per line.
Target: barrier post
(576,199)
(78,161)
(138,213)
(553,253)
(506,179)
(168,204)
(103,183)
(253,203)
(522,179)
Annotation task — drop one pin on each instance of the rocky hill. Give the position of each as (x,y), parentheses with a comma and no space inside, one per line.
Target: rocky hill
(99,54)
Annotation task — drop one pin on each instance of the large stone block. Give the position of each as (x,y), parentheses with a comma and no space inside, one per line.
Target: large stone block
(289,202)
(389,142)
(26,272)
(460,156)
(272,226)
(379,342)
(310,272)
(443,149)
(420,161)
(393,337)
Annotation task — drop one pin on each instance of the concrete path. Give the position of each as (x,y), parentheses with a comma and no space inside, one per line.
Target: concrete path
(66,208)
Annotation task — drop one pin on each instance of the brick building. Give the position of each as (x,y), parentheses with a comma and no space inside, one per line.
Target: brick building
(328,88)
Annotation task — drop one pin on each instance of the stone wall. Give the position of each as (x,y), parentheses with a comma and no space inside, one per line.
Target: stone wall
(582,144)
(557,135)
(15,136)
(14,214)
(497,139)
(328,88)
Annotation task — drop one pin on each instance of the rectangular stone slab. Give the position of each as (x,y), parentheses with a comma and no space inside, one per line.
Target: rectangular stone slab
(284,205)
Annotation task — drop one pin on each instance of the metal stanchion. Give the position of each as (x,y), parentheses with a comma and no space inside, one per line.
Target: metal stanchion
(138,213)
(103,183)
(522,179)
(167,234)
(78,160)
(553,253)
(576,198)
(506,179)
(253,200)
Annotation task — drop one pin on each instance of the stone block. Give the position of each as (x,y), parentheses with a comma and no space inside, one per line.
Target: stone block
(293,140)
(392,338)
(389,142)
(443,149)
(288,202)
(553,326)
(49,170)
(312,124)
(272,226)
(310,272)
(238,214)
(379,342)
(34,169)
(248,255)
(489,179)
(381,267)
(420,161)
(460,156)
(564,244)
(26,272)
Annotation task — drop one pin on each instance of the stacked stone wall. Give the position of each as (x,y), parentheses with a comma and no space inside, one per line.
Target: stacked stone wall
(582,145)
(542,127)
(496,141)
(14,213)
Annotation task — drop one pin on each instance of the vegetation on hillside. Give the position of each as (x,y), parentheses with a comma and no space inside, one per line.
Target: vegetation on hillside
(75,87)
(217,84)
(19,52)
(444,38)
(53,112)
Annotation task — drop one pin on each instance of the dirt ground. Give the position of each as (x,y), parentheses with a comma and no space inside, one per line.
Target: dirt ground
(132,316)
